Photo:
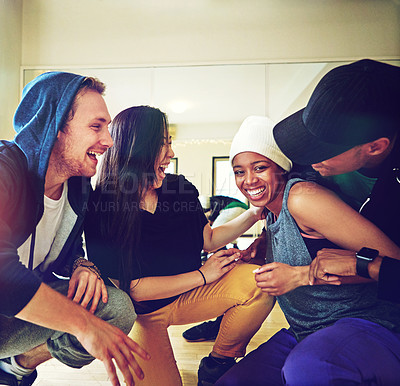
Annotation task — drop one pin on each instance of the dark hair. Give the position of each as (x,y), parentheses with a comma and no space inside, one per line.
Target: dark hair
(126,173)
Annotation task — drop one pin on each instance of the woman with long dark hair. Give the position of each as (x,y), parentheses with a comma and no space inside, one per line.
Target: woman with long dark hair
(145,230)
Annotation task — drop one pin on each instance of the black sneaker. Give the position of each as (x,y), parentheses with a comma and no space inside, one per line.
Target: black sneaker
(11,379)
(28,379)
(203,331)
(211,369)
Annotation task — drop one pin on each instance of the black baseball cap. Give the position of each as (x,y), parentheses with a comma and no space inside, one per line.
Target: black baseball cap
(352,104)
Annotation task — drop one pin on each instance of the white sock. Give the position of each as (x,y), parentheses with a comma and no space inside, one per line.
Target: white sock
(15,369)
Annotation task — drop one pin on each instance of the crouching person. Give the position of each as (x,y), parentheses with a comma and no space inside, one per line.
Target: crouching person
(62,126)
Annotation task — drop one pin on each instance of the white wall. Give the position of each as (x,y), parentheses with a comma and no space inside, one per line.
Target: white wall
(115,32)
(158,32)
(195,160)
(10,60)
(137,33)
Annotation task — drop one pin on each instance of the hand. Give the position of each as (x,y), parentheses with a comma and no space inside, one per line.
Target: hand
(329,264)
(278,278)
(255,253)
(85,283)
(218,264)
(102,340)
(106,342)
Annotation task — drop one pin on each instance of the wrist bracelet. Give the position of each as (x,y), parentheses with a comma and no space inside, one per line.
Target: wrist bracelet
(81,262)
(204,278)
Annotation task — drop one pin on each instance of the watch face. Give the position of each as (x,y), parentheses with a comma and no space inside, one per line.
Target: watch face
(367,253)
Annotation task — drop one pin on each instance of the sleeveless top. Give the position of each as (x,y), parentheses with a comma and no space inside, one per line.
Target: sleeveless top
(310,308)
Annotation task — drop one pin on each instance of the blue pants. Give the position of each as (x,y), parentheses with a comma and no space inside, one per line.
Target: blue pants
(350,352)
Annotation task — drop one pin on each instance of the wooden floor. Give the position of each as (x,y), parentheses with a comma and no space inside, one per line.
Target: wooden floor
(188,356)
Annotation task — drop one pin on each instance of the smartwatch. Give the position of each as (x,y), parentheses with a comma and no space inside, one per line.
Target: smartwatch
(364,257)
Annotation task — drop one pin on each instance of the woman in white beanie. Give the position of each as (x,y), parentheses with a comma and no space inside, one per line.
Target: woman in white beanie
(328,323)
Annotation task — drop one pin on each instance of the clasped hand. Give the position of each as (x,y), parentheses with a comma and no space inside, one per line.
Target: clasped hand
(278,278)
(330,264)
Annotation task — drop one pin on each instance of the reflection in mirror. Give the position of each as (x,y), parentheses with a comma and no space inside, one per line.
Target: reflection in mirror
(206,104)
(223,179)
(173,166)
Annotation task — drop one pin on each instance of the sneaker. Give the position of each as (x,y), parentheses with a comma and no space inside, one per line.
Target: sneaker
(8,379)
(28,380)
(11,379)
(204,331)
(211,369)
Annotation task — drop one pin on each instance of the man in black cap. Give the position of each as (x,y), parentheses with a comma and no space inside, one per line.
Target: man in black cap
(348,133)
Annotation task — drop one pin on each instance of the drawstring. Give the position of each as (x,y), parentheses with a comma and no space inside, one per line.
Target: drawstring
(396,170)
(32,247)
(365,203)
(32,250)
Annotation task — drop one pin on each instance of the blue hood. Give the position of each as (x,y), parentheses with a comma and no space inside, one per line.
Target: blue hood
(45,102)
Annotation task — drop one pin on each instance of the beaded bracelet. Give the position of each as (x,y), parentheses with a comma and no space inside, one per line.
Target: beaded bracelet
(81,262)
(204,278)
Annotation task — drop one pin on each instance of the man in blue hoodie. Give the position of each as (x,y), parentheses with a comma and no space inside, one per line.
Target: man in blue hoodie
(62,127)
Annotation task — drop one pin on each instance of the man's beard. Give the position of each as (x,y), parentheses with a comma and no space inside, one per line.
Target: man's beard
(65,166)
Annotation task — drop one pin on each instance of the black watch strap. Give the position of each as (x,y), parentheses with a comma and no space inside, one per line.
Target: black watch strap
(364,257)
(362,268)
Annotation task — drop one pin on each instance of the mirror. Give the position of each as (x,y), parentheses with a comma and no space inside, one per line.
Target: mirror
(206,104)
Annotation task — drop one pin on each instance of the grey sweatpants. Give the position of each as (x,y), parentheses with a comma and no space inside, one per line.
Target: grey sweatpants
(18,336)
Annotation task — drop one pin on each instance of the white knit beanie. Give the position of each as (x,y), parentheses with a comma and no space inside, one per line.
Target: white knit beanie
(255,135)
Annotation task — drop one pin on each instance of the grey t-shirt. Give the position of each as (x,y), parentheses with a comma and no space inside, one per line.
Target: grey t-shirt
(310,308)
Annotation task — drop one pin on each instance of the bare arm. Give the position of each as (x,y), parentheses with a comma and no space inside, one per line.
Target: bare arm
(105,342)
(320,212)
(160,287)
(325,214)
(224,234)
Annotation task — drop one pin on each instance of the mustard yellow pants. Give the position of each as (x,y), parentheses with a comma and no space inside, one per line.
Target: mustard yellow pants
(235,295)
